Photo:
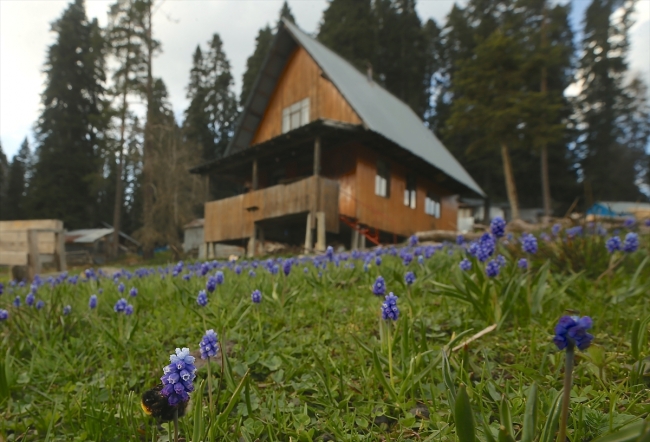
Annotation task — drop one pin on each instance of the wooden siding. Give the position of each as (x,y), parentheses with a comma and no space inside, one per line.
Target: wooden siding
(390,214)
(234,218)
(301,79)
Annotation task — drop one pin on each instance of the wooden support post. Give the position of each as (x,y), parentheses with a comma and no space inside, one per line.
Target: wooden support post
(251,249)
(59,251)
(320,231)
(34,259)
(354,243)
(308,234)
(316,194)
(255,182)
(362,242)
(260,237)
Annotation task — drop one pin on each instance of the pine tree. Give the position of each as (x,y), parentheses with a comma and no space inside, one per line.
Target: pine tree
(71,129)
(607,164)
(403,57)
(4,173)
(254,62)
(348,28)
(210,117)
(285,12)
(15,206)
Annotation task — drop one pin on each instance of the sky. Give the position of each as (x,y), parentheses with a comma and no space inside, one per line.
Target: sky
(180,25)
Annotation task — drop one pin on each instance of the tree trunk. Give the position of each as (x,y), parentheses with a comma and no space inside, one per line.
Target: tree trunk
(511,188)
(546,187)
(117,209)
(147,191)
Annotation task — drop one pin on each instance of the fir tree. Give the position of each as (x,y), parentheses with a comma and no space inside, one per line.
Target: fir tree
(348,28)
(285,12)
(15,206)
(608,165)
(4,173)
(255,61)
(71,129)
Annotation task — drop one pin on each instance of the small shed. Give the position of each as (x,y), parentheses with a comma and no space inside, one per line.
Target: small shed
(193,235)
(617,209)
(91,246)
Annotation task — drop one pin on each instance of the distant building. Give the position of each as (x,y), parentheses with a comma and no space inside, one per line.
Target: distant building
(319,145)
(193,235)
(91,246)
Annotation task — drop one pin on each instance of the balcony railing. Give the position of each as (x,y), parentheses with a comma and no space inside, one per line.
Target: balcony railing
(235,217)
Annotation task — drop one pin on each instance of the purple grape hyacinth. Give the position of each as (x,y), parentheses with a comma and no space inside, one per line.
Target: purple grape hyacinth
(211,284)
(529,244)
(4,315)
(465,265)
(486,247)
(120,305)
(133,292)
(613,244)
(202,298)
(409,278)
(379,287)
(573,330)
(128,310)
(389,308)
(178,376)
(66,310)
(256,296)
(522,263)
(498,227)
(631,243)
(492,268)
(209,344)
(40,304)
(92,302)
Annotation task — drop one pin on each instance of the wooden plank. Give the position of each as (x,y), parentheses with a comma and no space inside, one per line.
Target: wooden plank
(11,258)
(41,224)
(16,240)
(34,267)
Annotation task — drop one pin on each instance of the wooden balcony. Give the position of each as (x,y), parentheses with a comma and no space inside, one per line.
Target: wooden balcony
(235,217)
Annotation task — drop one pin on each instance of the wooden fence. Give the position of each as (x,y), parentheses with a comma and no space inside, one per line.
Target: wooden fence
(32,243)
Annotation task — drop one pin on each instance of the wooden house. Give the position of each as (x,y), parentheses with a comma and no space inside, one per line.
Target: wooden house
(322,148)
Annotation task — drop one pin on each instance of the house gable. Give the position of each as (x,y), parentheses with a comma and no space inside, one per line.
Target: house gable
(302,78)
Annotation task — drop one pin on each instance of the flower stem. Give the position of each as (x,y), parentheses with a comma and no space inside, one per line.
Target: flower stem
(390,355)
(210,387)
(176,425)
(568,380)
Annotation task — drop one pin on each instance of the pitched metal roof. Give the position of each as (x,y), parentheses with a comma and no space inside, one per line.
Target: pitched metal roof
(380,111)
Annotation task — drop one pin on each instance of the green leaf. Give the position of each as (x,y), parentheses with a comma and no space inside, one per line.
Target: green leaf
(449,382)
(464,417)
(197,434)
(381,377)
(506,417)
(550,426)
(504,435)
(530,415)
(636,431)
(233,400)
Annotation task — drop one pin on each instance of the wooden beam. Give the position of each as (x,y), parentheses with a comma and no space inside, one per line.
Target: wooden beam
(34,256)
(60,252)
(308,234)
(255,175)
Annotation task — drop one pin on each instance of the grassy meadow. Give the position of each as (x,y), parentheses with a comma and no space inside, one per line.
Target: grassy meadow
(314,360)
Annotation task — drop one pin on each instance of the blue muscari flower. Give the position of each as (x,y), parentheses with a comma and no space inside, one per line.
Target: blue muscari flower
(120,288)
(465,265)
(120,305)
(420,259)
(473,248)
(2,288)
(574,231)
(133,292)
(92,302)
(238,269)
(186,276)
(522,263)
(66,310)
(211,284)
(492,268)
(205,268)
(529,243)
(389,308)
(90,274)
(40,304)
(573,330)
(21,284)
(329,253)
(486,247)
(413,241)
(305,270)
(365,266)
(629,222)
(379,287)
(555,230)
(613,244)
(378,261)
(16,302)
(409,278)
(286,266)
(498,227)
(407,258)
(256,296)
(251,274)
(219,277)
(501,260)
(4,315)
(209,344)
(202,298)
(631,243)
(30,299)
(647,222)
(128,310)
(545,236)
(178,376)
(460,240)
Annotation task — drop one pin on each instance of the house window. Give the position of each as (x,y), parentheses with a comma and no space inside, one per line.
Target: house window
(432,205)
(382,179)
(409,192)
(295,115)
